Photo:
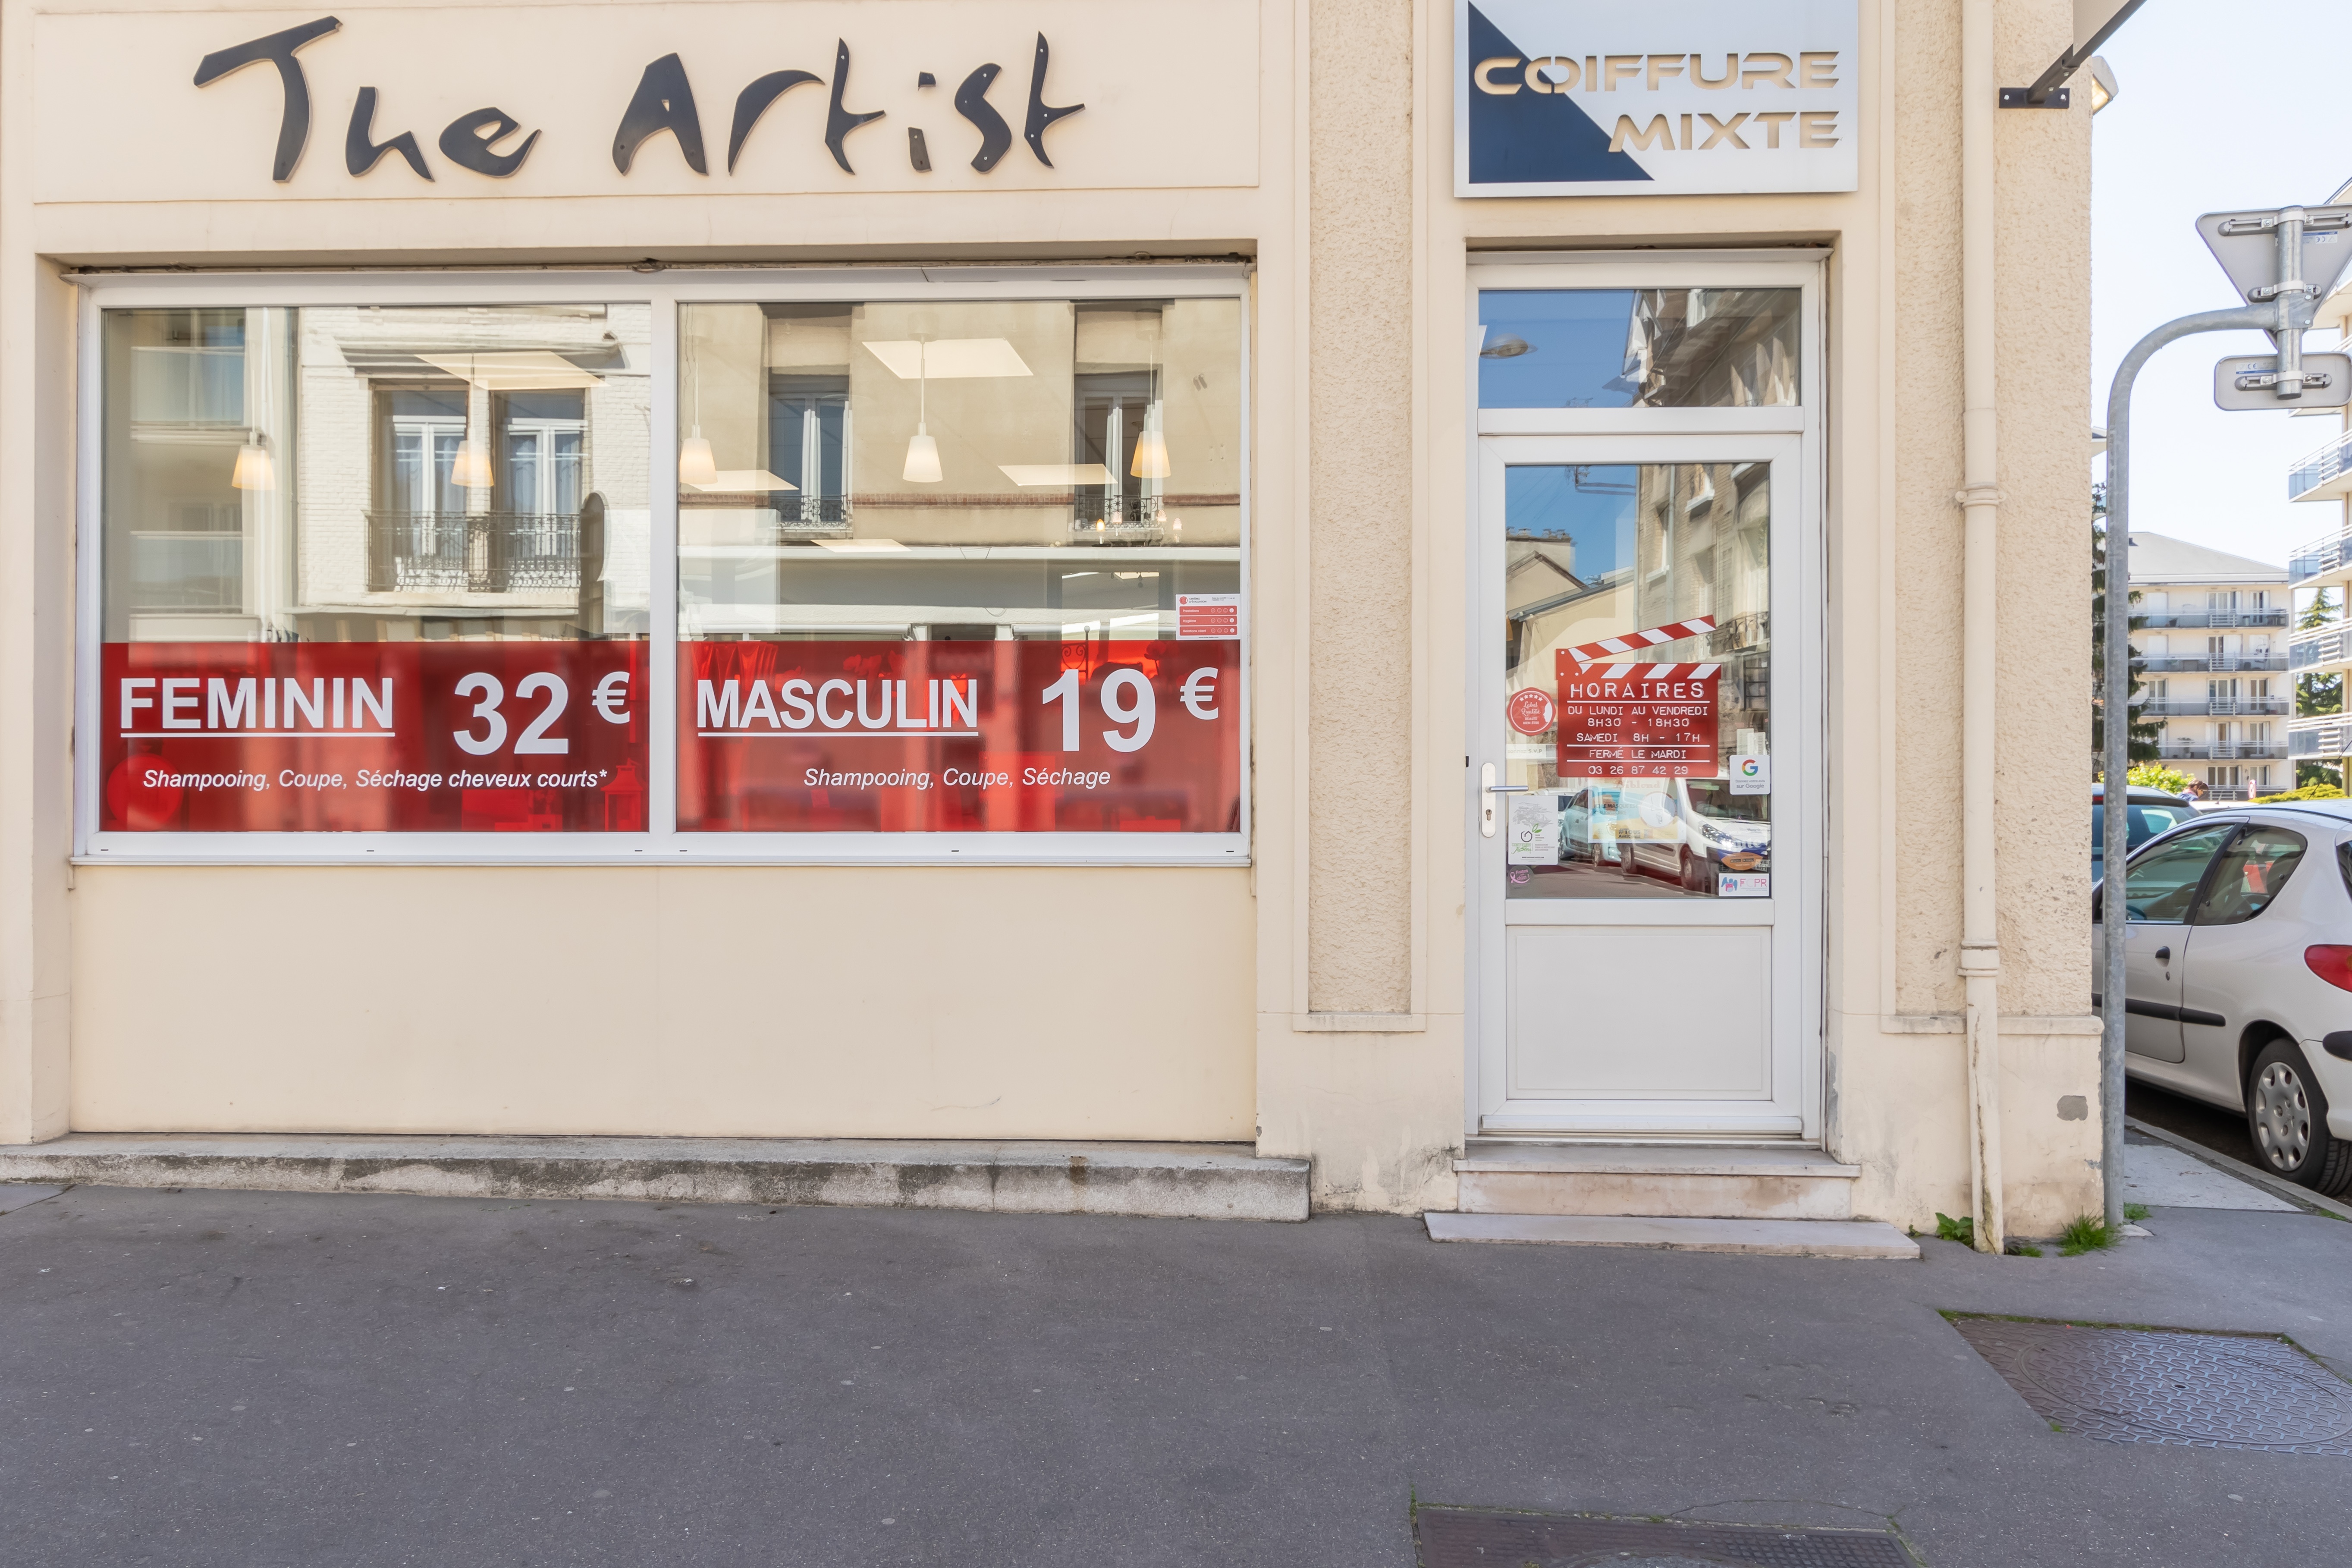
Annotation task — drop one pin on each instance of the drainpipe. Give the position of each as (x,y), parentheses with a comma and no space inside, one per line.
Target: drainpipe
(1980,499)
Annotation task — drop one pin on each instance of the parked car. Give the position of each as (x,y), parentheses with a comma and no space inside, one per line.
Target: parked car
(2152,811)
(2238,955)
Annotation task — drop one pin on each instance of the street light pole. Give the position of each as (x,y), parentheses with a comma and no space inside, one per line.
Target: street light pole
(2115,794)
(2265,255)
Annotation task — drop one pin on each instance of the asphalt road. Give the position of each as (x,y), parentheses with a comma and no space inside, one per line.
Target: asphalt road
(250,1379)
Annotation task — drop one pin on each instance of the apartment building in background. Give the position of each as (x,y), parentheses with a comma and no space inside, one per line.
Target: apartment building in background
(2323,570)
(2211,631)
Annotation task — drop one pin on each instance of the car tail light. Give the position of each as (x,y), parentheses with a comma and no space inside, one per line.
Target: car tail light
(2331,964)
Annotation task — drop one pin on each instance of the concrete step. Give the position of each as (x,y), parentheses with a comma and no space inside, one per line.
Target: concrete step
(1172,1181)
(1662,1181)
(1757,1237)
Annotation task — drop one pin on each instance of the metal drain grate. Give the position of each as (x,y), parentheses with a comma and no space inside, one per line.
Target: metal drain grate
(2174,1386)
(1484,1538)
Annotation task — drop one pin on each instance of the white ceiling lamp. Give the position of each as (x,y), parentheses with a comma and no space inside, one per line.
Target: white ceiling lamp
(697,465)
(469,469)
(922,451)
(253,471)
(469,465)
(1152,442)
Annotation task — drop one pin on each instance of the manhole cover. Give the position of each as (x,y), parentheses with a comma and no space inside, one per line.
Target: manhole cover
(2169,1386)
(1483,1538)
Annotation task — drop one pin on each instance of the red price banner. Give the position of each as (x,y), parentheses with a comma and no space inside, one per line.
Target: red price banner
(443,737)
(1636,720)
(962,737)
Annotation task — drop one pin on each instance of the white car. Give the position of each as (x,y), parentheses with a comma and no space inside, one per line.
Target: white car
(2238,958)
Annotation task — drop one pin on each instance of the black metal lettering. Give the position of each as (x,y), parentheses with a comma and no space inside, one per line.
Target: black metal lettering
(361,149)
(916,154)
(752,102)
(972,102)
(838,121)
(469,138)
(278,49)
(664,101)
(1040,114)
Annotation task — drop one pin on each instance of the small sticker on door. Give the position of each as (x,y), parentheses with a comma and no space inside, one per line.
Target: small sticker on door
(1530,711)
(1752,774)
(1535,829)
(1744,885)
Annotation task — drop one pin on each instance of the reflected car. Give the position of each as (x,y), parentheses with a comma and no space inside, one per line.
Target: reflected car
(2238,965)
(1588,825)
(2152,811)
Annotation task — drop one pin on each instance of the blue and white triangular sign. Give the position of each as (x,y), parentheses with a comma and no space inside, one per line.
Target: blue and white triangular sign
(1674,97)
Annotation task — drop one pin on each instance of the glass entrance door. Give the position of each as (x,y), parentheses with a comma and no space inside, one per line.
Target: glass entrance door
(1639,788)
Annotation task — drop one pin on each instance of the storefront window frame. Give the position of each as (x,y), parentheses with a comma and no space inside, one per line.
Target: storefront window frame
(665,292)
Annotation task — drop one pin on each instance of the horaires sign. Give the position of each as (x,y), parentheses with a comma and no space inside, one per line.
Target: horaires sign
(1566,97)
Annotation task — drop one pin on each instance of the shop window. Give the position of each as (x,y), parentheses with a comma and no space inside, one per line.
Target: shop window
(374,569)
(1653,779)
(1638,348)
(969,566)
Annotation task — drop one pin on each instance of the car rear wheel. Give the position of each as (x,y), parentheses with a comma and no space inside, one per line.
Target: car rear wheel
(2286,1117)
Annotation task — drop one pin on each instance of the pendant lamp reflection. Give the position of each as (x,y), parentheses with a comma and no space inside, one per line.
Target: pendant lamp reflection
(922,451)
(253,471)
(696,464)
(469,465)
(1150,461)
(1150,447)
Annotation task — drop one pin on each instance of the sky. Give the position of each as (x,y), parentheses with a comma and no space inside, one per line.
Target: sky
(2200,123)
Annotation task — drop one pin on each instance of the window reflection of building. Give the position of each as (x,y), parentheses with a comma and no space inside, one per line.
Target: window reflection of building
(363,474)
(1089,467)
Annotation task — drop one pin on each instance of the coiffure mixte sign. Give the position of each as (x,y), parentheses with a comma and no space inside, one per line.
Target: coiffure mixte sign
(1575,98)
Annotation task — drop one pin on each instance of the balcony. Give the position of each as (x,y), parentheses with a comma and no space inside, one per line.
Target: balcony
(480,552)
(2211,618)
(2311,650)
(2213,663)
(2226,752)
(2216,708)
(2322,737)
(2322,476)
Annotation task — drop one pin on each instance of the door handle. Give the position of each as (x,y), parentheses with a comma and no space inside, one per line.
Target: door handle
(1487,790)
(2164,956)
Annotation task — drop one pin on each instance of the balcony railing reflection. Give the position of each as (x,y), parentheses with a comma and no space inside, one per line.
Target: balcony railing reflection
(477,552)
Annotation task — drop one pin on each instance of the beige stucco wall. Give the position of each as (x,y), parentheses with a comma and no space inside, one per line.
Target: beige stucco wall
(1318,998)
(706,1001)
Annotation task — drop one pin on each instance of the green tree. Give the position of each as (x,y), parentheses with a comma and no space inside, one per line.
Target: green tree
(2145,734)
(2156,775)
(2316,695)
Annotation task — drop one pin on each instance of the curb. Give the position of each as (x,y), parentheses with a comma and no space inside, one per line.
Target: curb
(1172,1181)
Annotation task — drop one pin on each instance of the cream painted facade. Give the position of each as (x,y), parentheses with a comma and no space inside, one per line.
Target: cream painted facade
(1315,1000)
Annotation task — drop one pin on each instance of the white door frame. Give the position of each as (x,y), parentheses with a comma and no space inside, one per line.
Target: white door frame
(1790,439)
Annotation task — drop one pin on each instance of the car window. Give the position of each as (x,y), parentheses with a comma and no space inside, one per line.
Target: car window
(2141,822)
(2249,874)
(1713,797)
(2160,886)
(2344,863)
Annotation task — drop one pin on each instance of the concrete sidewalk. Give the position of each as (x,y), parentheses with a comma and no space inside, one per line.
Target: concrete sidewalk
(253,1378)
